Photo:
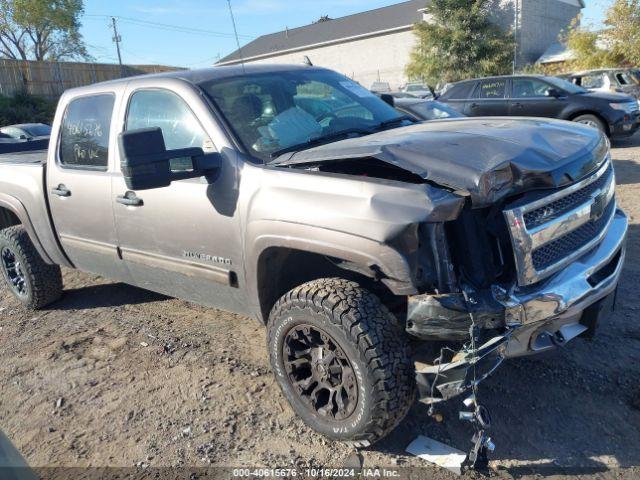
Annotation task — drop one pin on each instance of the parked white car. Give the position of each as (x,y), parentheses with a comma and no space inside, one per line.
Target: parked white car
(418,90)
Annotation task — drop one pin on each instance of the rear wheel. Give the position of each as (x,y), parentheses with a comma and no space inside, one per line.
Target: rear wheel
(342,360)
(31,280)
(591,121)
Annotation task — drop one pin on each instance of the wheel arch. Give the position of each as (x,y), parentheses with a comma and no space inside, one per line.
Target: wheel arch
(281,269)
(579,113)
(8,218)
(278,262)
(13,212)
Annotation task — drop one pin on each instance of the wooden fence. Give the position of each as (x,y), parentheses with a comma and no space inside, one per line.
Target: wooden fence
(50,79)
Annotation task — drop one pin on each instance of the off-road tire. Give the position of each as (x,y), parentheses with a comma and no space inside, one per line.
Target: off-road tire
(591,120)
(43,281)
(374,343)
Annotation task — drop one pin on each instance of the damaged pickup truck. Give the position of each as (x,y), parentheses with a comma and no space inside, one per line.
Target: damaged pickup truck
(360,238)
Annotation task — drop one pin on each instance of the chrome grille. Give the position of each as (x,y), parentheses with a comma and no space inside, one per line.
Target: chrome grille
(556,250)
(551,232)
(552,210)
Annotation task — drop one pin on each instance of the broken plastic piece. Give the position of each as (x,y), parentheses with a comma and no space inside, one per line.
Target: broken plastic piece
(437,453)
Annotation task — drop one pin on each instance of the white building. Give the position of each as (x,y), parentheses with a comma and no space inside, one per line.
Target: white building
(375,45)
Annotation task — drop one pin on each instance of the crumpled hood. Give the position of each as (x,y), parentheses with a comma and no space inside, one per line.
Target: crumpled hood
(487,158)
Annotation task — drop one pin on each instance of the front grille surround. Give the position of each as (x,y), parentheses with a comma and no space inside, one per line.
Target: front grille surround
(552,232)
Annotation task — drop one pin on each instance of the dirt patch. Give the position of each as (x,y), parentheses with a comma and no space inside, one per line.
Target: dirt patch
(112,375)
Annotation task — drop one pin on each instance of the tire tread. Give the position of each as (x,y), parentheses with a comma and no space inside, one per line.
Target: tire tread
(45,279)
(377,335)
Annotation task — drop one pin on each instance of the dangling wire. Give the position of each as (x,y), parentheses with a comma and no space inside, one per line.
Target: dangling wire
(439,360)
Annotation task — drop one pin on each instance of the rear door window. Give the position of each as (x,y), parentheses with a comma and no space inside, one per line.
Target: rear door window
(84,137)
(491,89)
(460,91)
(593,81)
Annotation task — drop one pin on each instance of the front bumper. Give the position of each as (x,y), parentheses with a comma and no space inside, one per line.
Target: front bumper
(626,126)
(534,319)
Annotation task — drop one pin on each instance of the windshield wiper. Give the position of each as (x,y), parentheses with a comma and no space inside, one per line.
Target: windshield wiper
(312,142)
(393,121)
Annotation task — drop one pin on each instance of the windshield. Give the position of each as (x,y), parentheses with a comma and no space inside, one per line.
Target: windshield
(430,110)
(270,112)
(40,130)
(565,85)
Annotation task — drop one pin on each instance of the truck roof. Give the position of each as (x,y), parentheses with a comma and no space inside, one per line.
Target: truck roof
(208,74)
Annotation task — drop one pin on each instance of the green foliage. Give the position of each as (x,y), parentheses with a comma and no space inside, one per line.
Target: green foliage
(41,29)
(24,108)
(622,31)
(460,42)
(587,51)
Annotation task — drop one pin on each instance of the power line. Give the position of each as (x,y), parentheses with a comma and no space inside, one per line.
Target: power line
(169,27)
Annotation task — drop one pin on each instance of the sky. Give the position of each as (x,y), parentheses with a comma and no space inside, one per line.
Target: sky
(195,33)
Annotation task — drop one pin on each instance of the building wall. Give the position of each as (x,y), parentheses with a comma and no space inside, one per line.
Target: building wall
(367,60)
(542,21)
(384,58)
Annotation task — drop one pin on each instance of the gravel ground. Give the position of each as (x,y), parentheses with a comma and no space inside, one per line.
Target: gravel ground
(112,375)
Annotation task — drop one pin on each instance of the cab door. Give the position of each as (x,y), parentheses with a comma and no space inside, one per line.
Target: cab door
(529,99)
(489,99)
(79,171)
(182,240)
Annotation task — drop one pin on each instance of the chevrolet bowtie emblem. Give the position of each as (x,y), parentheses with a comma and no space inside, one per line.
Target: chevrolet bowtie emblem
(599,205)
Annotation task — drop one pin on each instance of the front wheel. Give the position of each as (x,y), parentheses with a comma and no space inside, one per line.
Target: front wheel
(591,121)
(342,360)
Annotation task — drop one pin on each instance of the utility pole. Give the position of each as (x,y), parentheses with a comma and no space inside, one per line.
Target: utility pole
(117,38)
(516,21)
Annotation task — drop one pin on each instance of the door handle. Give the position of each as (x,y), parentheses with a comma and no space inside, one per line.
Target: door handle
(474,106)
(518,105)
(130,200)
(61,191)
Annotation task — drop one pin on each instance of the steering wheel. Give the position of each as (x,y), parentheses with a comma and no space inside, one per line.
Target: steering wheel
(323,116)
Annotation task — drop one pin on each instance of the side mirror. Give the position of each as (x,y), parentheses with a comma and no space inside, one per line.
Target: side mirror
(553,92)
(388,99)
(23,137)
(146,163)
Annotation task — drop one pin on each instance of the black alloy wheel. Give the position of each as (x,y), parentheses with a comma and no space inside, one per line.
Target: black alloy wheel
(14,272)
(320,372)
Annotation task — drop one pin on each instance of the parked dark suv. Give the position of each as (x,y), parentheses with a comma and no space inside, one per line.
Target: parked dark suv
(539,96)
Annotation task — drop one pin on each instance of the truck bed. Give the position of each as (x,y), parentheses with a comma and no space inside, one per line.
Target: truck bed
(24,158)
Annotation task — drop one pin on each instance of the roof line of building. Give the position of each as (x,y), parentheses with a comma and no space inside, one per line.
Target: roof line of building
(317,45)
(347,16)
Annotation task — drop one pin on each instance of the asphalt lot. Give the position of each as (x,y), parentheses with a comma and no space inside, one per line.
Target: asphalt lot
(112,375)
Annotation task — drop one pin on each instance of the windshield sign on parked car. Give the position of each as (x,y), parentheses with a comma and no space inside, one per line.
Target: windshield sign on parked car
(276,112)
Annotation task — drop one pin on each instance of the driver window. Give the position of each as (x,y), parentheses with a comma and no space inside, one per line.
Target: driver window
(180,127)
(529,87)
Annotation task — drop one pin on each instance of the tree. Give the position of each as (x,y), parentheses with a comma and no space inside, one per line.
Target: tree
(587,51)
(622,30)
(460,41)
(41,29)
